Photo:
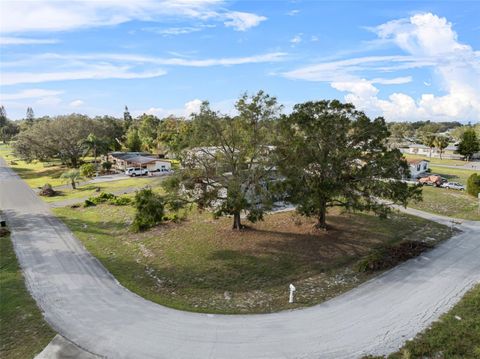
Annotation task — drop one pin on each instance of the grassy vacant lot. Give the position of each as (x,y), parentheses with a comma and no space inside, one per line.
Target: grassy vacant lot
(200,264)
(89,190)
(36,173)
(435,160)
(455,335)
(453,174)
(452,203)
(23,332)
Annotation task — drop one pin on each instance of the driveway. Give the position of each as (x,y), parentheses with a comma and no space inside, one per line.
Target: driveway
(85,304)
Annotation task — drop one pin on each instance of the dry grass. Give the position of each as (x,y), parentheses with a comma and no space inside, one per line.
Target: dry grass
(202,265)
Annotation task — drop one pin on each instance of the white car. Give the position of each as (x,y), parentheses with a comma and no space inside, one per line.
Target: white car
(136,171)
(453,185)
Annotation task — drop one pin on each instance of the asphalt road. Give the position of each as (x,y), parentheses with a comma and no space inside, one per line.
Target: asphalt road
(85,304)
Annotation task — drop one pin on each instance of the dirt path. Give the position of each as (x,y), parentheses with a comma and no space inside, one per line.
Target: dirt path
(86,305)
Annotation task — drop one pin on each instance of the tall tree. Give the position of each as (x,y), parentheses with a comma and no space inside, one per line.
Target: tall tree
(469,144)
(173,135)
(334,156)
(147,130)
(133,142)
(231,169)
(441,142)
(127,118)
(428,140)
(3,117)
(30,116)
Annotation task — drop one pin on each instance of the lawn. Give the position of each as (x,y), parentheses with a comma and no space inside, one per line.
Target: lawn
(23,331)
(436,160)
(453,174)
(200,264)
(117,187)
(455,335)
(451,203)
(35,173)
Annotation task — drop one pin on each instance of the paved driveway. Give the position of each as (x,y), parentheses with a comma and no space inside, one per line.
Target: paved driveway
(84,303)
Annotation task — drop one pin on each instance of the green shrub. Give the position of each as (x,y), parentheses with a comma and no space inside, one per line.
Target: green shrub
(87,170)
(101,198)
(89,203)
(120,201)
(107,165)
(150,209)
(473,185)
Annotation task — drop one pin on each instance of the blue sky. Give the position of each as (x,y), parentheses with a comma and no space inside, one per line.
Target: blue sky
(402,60)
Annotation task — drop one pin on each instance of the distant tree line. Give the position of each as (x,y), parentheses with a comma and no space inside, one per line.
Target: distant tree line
(323,154)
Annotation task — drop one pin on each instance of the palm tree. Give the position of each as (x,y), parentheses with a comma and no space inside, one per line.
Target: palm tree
(72,177)
(441,142)
(92,144)
(429,141)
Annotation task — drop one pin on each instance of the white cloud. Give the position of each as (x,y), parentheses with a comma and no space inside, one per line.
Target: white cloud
(296,39)
(111,66)
(89,72)
(76,103)
(29,94)
(429,42)
(52,15)
(192,107)
(5,40)
(242,21)
(293,12)
(174,31)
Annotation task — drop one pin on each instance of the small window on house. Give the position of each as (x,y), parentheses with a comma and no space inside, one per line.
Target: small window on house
(418,167)
(424,166)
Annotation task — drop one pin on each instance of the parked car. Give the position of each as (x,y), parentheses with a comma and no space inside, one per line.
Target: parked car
(432,180)
(136,171)
(453,185)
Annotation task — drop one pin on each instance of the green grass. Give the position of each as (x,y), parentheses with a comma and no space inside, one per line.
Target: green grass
(436,160)
(449,337)
(35,173)
(202,265)
(448,202)
(89,190)
(23,332)
(453,174)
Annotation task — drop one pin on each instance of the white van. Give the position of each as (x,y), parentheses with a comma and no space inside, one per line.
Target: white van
(136,171)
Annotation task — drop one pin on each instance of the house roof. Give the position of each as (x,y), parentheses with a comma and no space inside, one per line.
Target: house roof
(128,155)
(413,161)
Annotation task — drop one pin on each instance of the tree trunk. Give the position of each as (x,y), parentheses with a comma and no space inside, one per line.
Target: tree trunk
(322,223)
(95,159)
(237,223)
(73,184)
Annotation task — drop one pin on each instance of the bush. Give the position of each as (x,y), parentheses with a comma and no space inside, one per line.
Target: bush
(47,190)
(150,209)
(390,255)
(89,203)
(473,185)
(87,170)
(120,201)
(107,165)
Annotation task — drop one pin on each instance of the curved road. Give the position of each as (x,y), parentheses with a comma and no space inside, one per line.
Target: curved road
(85,304)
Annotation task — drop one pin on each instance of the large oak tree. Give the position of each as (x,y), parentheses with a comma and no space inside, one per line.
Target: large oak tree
(334,156)
(229,169)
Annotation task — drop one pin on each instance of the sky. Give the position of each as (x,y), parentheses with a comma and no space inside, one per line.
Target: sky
(403,60)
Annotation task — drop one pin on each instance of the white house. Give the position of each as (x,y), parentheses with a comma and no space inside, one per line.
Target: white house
(417,167)
(123,160)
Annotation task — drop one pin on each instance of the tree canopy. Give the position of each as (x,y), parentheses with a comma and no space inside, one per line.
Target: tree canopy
(334,156)
(229,167)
